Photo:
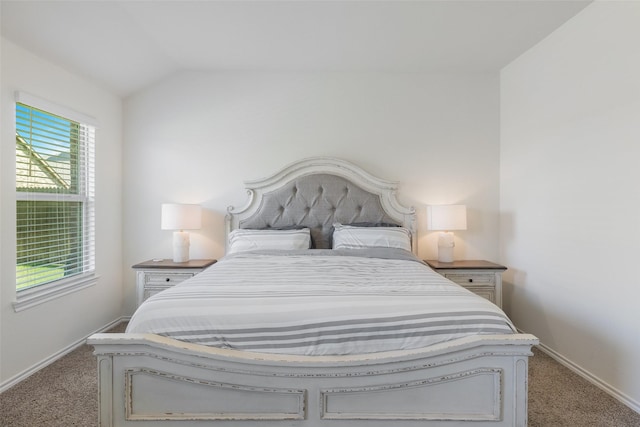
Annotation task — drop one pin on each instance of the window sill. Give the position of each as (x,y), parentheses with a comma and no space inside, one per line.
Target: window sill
(32,297)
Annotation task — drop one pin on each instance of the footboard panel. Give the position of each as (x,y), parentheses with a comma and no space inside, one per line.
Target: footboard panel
(449,397)
(164,396)
(147,380)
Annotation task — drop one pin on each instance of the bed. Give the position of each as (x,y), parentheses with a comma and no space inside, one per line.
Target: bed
(355,331)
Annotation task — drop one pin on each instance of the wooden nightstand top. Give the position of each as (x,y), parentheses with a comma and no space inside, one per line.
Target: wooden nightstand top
(471,264)
(168,263)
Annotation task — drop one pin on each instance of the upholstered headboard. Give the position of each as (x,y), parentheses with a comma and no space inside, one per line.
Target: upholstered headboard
(316,193)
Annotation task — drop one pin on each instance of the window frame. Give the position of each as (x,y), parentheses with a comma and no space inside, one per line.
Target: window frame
(38,294)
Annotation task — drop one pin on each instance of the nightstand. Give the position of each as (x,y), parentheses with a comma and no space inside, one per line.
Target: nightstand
(154,276)
(480,277)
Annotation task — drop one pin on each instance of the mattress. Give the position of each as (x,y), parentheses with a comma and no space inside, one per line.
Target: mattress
(319,302)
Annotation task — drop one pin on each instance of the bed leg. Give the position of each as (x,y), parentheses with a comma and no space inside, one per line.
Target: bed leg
(521,380)
(105,391)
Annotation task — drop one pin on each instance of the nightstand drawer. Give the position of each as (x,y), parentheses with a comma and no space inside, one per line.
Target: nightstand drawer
(486,292)
(156,275)
(475,280)
(152,291)
(480,277)
(166,278)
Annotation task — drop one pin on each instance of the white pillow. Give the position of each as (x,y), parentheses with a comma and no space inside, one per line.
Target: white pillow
(350,237)
(241,240)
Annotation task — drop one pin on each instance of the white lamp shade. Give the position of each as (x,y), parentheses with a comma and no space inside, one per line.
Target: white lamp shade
(181,217)
(447,217)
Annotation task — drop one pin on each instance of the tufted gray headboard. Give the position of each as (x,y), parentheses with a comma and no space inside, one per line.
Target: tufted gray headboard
(316,193)
(317,201)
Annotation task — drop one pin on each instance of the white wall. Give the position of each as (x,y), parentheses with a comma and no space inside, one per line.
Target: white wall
(197,136)
(570,198)
(30,337)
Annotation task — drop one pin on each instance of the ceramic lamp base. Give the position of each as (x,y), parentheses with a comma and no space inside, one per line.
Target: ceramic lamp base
(180,246)
(445,247)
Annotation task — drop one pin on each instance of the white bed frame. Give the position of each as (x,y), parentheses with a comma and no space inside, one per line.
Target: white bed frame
(149,380)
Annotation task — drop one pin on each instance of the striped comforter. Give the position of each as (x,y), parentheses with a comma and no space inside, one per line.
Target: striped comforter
(318,302)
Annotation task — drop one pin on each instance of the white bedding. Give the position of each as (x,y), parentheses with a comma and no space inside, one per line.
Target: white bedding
(318,302)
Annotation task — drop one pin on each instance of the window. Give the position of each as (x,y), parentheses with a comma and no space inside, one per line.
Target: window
(54,201)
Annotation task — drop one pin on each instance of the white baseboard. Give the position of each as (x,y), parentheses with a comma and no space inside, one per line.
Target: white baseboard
(607,388)
(49,360)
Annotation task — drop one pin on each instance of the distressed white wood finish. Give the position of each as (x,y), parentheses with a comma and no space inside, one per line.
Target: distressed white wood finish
(156,276)
(149,380)
(386,190)
(486,283)
(481,277)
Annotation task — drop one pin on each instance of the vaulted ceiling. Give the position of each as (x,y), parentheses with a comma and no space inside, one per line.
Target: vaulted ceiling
(128,45)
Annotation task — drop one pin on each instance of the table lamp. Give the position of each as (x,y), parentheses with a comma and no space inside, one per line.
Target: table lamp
(180,217)
(446,218)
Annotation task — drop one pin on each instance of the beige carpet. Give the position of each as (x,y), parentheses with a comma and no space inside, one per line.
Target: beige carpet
(558,397)
(65,394)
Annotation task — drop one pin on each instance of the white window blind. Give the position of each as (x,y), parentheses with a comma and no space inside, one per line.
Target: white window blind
(55,226)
